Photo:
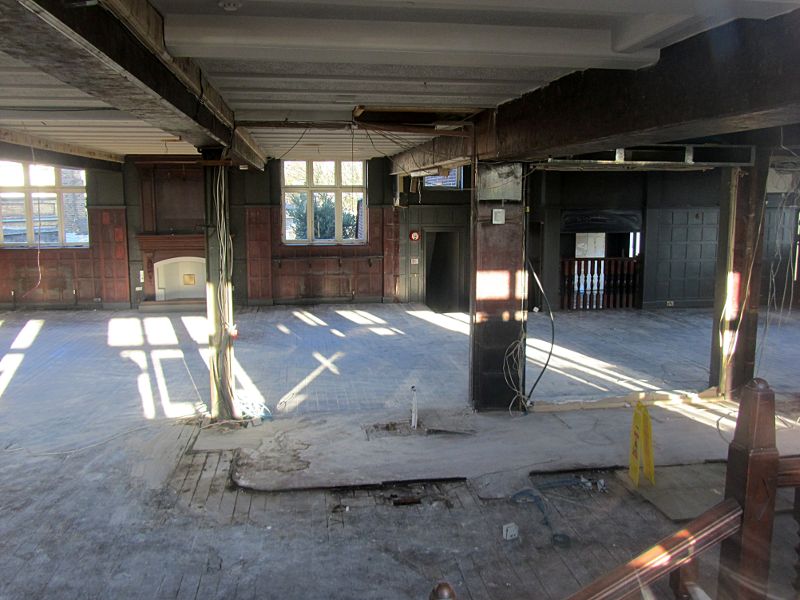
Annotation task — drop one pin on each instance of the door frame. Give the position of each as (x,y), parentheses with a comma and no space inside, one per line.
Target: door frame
(464,258)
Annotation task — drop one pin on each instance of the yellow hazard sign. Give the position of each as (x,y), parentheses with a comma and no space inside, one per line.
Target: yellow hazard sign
(641,445)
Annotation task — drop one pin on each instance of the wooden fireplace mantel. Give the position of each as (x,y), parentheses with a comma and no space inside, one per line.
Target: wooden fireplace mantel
(190,244)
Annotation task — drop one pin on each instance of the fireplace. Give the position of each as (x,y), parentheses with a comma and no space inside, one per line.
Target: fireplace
(183,277)
(174,266)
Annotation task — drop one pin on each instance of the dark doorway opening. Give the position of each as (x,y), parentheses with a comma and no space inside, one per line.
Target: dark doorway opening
(443,267)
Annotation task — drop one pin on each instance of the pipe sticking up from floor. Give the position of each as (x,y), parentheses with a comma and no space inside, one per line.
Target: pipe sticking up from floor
(414,412)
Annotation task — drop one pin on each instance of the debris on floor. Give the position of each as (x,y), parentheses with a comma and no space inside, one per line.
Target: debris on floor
(510,531)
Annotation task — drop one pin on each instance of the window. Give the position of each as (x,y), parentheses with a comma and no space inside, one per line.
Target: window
(324,201)
(42,205)
(451,181)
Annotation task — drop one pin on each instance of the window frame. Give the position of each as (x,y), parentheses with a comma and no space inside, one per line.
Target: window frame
(338,189)
(459,171)
(28,190)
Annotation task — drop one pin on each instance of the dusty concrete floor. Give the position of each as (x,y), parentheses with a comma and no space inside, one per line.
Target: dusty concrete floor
(93,505)
(361,357)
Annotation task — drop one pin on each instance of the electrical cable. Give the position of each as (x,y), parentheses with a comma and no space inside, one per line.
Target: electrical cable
(224,361)
(302,135)
(728,351)
(39,223)
(552,334)
(76,450)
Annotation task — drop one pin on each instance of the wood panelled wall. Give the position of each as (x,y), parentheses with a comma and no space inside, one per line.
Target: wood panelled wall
(279,272)
(94,276)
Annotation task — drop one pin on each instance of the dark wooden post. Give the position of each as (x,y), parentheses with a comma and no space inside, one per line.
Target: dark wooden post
(751,479)
(681,580)
(498,300)
(738,276)
(796,582)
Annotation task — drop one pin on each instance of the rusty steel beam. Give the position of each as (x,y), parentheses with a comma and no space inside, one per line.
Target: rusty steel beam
(704,532)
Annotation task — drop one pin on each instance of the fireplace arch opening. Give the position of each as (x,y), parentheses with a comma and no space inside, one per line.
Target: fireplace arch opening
(180,278)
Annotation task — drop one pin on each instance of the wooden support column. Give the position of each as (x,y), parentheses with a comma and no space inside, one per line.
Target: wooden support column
(498,286)
(751,480)
(219,292)
(738,277)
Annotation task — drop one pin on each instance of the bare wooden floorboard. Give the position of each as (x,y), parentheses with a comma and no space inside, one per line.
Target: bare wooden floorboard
(209,583)
(189,585)
(258,516)
(227,504)
(205,480)
(192,477)
(219,483)
(473,583)
(170,585)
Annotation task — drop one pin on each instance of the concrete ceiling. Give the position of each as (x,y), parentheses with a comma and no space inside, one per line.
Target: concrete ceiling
(315,60)
(39,110)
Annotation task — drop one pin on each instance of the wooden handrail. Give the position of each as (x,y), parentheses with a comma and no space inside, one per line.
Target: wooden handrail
(789,471)
(704,532)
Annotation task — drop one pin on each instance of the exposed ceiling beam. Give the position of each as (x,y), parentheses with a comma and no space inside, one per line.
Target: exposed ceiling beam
(40,143)
(453,44)
(750,8)
(147,24)
(360,71)
(741,76)
(738,77)
(342,126)
(89,48)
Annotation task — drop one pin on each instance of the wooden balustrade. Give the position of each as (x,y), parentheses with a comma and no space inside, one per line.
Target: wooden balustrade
(796,512)
(699,535)
(742,522)
(599,283)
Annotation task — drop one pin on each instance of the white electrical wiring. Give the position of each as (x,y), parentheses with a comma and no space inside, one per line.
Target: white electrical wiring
(731,347)
(774,268)
(236,405)
(38,237)
(68,453)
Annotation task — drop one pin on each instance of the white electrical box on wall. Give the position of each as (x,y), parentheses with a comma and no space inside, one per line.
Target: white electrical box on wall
(498,216)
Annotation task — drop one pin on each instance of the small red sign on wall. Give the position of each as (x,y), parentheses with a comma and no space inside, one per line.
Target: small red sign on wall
(413,236)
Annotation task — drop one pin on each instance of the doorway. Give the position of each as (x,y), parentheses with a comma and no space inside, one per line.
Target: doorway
(444,278)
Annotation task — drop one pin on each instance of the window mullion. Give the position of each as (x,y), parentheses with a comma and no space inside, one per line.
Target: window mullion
(338,215)
(60,210)
(29,218)
(310,214)
(337,202)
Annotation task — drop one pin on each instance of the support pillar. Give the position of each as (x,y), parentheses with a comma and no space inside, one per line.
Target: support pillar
(219,292)
(752,479)
(498,285)
(738,277)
